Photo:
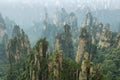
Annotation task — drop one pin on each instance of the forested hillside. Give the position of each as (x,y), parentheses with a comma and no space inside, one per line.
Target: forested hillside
(69,46)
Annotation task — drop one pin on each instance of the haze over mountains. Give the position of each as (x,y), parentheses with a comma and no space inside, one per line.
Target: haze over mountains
(26,12)
(59,40)
(30,15)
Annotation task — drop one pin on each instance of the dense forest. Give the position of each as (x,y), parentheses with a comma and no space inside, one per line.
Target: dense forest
(65,50)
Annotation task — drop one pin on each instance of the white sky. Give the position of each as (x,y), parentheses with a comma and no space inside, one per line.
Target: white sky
(115,4)
(14,8)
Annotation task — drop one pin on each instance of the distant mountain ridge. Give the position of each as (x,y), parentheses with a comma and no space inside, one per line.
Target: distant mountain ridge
(104,16)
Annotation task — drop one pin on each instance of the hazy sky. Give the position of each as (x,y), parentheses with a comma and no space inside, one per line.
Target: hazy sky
(27,11)
(115,4)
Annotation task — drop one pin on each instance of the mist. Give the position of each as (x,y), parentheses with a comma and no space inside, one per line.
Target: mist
(59,39)
(26,12)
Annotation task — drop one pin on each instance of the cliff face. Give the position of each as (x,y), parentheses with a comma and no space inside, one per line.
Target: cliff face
(61,18)
(104,36)
(57,66)
(3,59)
(82,46)
(3,43)
(2,27)
(18,48)
(72,21)
(81,49)
(118,40)
(40,63)
(88,71)
(84,67)
(88,19)
(57,44)
(65,42)
(46,67)
(100,33)
(2,23)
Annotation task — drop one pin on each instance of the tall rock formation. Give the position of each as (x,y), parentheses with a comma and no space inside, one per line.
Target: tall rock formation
(57,64)
(2,28)
(84,67)
(65,42)
(88,71)
(3,43)
(60,17)
(17,50)
(118,40)
(82,46)
(104,36)
(72,21)
(88,21)
(100,33)
(36,65)
(9,26)
(16,31)
(41,54)
(18,47)
(2,22)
